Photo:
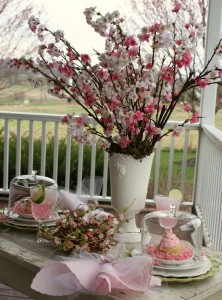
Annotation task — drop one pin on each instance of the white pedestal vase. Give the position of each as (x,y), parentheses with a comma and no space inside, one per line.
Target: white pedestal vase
(129,183)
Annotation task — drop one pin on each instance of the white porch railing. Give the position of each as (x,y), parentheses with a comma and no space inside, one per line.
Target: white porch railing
(208,186)
(208,196)
(28,121)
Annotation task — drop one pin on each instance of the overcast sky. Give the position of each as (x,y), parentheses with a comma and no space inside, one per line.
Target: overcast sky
(68,16)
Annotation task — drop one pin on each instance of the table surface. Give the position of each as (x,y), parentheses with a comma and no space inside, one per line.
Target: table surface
(20,260)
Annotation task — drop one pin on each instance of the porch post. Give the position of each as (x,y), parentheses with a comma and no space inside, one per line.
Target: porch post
(208,95)
(213,34)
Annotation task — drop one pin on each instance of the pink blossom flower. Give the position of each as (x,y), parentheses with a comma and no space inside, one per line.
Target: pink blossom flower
(102,74)
(187,108)
(202,83)
(138,115)
(130,41)
(115,76)
(124,142)
(148,66)
(79,121)
(65,120)
(89,99)
(194,118)
(167,74)
(176,133)
(150,109)
(133,51)
(85,58)
(177,7)
(155,28)
(187,59)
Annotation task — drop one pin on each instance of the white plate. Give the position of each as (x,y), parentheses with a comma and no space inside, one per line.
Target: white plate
(26,216)
(179,273)
(18,218)
(192,264)
(29,225)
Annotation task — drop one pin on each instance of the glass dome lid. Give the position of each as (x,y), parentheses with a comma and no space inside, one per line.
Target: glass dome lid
(172,237)
(20,188)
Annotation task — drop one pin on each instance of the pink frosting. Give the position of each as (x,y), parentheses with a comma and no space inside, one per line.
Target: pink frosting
(184,254)
(169,240)
(23,207)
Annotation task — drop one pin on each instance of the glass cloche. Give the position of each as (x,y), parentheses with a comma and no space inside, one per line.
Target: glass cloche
(19,194)
(172,237)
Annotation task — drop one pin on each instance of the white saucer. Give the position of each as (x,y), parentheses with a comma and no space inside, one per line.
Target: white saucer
(24,220)
(31,224)
(25,216)
(179,273)
(189,265)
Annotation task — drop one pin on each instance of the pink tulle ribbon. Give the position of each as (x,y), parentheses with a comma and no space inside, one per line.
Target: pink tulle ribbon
(96,275)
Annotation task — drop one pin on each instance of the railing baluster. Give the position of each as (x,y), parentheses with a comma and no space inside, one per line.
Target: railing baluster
(92,171)
(157,168)
(105,174)
(184,161)
(80,169)
(170,168)
(18,148)
(43,149)
(31,146)
(6,155)
(68,161)
(56,152)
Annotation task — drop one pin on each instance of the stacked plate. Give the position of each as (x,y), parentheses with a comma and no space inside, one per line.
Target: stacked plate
(26,220)
(191,267)
(183,271)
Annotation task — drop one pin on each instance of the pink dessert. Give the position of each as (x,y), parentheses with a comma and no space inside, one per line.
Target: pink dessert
(170,248)
(23,207)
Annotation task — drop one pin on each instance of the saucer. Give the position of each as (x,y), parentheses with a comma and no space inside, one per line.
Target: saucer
(200,269)
(19,219)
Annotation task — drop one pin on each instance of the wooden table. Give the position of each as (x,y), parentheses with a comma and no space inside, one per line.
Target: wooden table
(20,260)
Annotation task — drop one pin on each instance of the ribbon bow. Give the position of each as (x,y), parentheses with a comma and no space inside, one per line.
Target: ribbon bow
(95,274)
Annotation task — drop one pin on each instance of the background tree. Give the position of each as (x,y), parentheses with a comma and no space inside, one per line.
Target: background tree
(147,12)
(15,36)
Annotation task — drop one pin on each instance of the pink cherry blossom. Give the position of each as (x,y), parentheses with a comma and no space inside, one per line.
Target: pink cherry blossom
(85,58)
(155,28)
(144,37)
(177,7)
(130,41)
(194,118)
(133,51)
(124,142)
(202,83)
(167,74)
(187,108)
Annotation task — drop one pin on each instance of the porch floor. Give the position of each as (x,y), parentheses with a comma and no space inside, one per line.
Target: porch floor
(7,293)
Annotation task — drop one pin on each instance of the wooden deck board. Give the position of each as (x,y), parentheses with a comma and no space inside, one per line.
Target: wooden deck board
(7,293)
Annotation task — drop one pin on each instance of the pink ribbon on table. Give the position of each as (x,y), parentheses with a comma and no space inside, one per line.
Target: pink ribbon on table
(71,202)
(98,275)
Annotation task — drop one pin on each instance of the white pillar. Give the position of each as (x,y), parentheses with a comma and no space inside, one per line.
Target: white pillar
(208,96)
